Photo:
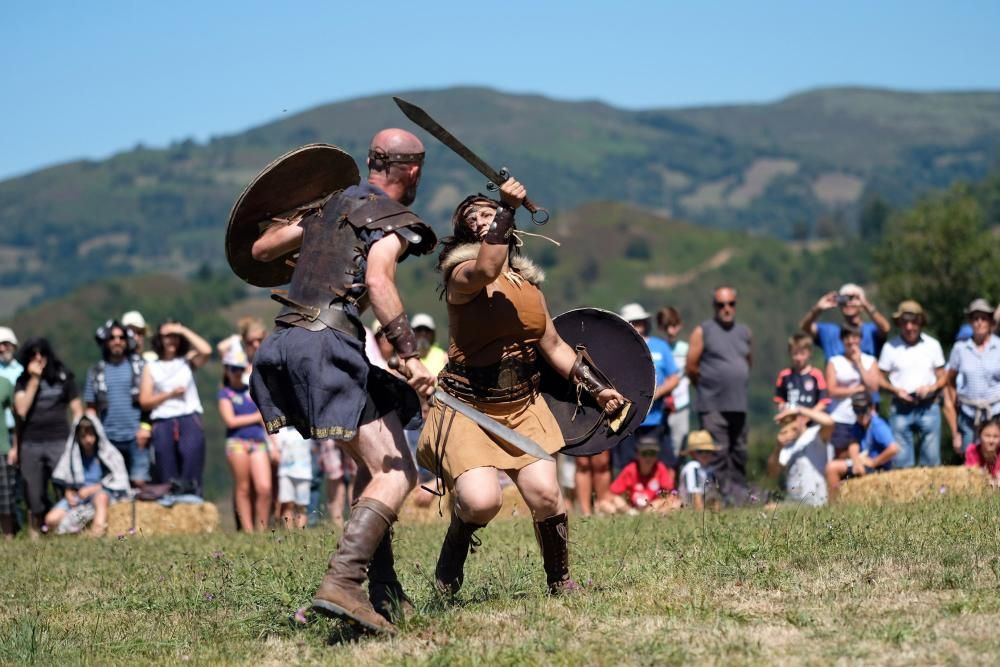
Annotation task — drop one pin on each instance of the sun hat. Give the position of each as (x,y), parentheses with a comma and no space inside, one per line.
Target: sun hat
(134,319)
(235,357)
(633,312)
(980,306)
(7,336)
(699,441)
(422,320)
(909,307)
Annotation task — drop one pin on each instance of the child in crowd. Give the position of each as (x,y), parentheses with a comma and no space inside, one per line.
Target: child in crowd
(294,476)
(339,470)
(246,445)
(694,475)
(644,483)
(801,384)
(803,452)
(985,452)
(92,475)
(872,445)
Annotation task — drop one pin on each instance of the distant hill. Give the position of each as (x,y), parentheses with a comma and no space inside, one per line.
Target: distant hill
(774,168)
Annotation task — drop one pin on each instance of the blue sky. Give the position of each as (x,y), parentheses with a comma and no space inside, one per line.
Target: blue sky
(91,79)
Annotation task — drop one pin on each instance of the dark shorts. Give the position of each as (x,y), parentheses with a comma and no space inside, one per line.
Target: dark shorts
(842,437)
(321,383)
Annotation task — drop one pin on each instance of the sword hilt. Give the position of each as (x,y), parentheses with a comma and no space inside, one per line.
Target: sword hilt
(539,215)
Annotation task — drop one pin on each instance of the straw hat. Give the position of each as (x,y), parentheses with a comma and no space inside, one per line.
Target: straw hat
(699,441)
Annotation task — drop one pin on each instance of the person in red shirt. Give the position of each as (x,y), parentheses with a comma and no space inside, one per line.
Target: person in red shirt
(645,483)
(985,453)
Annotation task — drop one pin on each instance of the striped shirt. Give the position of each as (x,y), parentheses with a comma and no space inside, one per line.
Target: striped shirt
(120,415)
(980,370)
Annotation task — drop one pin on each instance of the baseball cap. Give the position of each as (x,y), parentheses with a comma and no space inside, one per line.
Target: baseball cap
(980,306)
(648,443)
(134,319)
(235,357)
(633,312)
(852,289)
(422,320)
(861,402)
(7,336)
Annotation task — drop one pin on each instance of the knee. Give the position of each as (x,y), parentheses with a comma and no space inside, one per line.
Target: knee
(546,502)
(479,509)
(583,464)
(600,463)
(101,500)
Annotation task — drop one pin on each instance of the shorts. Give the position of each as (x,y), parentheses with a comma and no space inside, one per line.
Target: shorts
(293,490)
(136,459)
(241,446)
(842,437)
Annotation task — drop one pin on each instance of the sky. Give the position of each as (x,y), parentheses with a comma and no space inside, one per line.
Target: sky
(87,80)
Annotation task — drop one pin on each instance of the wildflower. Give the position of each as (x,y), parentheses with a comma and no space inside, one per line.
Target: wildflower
(300,616)
(131,531)
(209,597)
(217,555)
(943,490)
(753,498)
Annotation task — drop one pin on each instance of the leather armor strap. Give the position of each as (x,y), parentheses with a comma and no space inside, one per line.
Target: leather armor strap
(503,382)
(586,375)
(399,332)
(502,227)
(316,319)
(380,159)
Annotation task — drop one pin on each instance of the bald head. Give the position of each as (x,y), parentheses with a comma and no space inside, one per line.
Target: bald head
(724,301)
(390,167)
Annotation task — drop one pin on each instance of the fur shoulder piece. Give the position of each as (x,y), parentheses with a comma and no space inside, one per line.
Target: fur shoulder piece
(469,251)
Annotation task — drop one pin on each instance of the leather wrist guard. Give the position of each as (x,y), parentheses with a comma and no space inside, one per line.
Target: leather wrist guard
(502,227)
(400,334)
(586,375)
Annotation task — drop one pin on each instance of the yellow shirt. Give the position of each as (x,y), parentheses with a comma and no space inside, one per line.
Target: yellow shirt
(435,359)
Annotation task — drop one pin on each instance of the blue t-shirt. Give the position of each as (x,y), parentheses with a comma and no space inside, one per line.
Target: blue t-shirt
(663,364)
(875,440)
(828,338)
(92,472)
(120,415)
(243,405)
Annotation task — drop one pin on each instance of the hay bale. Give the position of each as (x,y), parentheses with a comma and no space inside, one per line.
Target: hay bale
(908,484)
(513,507)
(155,519)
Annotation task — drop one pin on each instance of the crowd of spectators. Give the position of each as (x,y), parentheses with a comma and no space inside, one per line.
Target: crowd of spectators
(137,429)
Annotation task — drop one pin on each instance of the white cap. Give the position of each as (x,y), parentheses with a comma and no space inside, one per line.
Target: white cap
(422,320)
(850,289)
(7,336)
(633,312)
(134,318)
(235,357)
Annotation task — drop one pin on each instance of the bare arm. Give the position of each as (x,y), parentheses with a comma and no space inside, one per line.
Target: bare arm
(277,240)
(696,345)
(871,376)
(878,318)
(76,408)
(773,463)
(950,399)
(836,391)
(826,302)
(468,278)
(667,386)
(148,398)
(200,352)
(885,456)
(232,420)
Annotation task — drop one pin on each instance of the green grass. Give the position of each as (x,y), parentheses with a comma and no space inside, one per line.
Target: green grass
(891,585)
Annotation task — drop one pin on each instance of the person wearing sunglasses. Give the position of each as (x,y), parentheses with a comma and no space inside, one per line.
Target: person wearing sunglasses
(718,364)
(977,359)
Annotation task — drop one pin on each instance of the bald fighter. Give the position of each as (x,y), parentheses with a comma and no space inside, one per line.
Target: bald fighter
(312,373)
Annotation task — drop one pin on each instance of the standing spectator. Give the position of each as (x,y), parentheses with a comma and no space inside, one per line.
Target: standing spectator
(111,392)
(431,354)
(42,396)
(977,361)
(592,482)
(985,452)
(136,323)
(666,380)
(251,333)
(802,452)
(718,364)
(801,384)
(872,450)
(678,403)
(169,393)
(846,375)
(246,445)
(10,478)
(8,465)
(851,301)
(694,478)
(295,477)
(912,366)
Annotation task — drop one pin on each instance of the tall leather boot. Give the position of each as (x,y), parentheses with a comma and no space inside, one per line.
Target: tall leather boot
(384,590)
(450,571)
(340,594)
(553,538)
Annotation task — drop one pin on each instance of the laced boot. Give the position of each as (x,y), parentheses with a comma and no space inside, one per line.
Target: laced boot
(340,594)
(553,538)
(384,590)
(450,571)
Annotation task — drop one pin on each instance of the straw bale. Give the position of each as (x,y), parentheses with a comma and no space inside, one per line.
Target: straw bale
(908,484)
(154,519)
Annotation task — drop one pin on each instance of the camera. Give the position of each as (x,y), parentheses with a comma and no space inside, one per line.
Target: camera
(843,299)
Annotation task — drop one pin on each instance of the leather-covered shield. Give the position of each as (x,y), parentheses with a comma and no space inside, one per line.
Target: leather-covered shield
(291,184)
(623,356)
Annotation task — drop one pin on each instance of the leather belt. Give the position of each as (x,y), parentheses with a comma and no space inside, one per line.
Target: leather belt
(509,380)
(315,318)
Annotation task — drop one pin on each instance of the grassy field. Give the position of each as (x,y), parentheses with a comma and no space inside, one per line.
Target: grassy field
(911,584)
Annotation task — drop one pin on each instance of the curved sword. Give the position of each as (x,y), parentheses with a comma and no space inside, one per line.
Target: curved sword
(511,437)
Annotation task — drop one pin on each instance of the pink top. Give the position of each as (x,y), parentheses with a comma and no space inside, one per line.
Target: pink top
(974,459)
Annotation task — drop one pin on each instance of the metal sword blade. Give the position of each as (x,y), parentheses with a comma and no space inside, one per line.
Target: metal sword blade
(421,118)
(511,437)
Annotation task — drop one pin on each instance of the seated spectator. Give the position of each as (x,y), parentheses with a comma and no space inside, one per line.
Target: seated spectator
(694,479)
(873,447)
(168,391)
(803,453)
(912,366)
(92,474)
(851,301)
(985,452)
(339,469)
(246,446)
(645,483)
(846,375)
(800,384)
(294,477)
(975,361)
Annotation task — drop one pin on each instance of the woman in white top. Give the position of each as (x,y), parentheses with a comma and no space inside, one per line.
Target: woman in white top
(168,392)
(848,374)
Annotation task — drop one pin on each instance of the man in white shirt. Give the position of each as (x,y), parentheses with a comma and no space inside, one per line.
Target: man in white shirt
(802,451)
(912,366)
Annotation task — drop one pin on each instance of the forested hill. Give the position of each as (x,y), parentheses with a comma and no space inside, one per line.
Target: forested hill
(797,168)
